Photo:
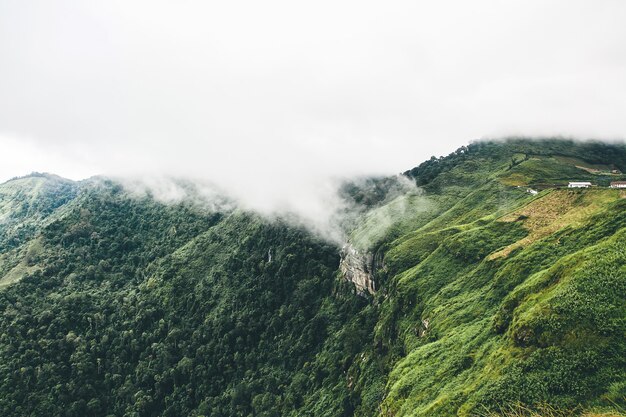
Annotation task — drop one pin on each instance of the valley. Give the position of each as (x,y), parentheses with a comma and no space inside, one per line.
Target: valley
(459,295)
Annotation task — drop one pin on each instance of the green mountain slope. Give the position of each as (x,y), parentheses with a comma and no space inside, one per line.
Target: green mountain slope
(26,205)
(486,296)
(503,297)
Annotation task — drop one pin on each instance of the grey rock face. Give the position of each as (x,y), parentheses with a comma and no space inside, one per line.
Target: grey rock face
(358,268)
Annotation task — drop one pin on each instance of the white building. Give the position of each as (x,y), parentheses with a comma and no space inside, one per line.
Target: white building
(618,184)
(579,184)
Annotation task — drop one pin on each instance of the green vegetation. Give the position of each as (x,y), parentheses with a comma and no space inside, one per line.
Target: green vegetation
(139,308)
(491,301)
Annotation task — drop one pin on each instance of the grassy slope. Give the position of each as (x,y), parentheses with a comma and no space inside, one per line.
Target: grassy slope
(504,297)
(489,319)
(489,297)
(27,205)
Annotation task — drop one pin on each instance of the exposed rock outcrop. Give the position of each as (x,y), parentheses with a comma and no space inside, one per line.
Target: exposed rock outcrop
(358,267)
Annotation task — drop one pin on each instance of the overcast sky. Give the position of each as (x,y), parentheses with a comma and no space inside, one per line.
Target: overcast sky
(270,98)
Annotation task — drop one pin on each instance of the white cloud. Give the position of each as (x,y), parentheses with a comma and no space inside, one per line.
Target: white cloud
(274,99)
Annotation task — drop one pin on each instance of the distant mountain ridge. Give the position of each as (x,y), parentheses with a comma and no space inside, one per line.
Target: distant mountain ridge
(475,295)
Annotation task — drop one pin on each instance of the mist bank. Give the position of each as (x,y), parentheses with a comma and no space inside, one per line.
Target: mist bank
(329,207)
(328,203)
(479,294)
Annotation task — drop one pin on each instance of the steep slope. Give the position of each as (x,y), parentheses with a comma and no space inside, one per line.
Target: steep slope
(473,295)
(27,204)
(497,296)
(492,314)
(136,307)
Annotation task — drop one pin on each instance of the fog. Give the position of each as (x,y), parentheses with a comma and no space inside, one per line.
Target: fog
(276,101)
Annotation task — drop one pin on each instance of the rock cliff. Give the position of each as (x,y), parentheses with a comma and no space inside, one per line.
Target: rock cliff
(358,267)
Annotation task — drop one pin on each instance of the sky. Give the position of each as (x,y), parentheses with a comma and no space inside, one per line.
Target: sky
(272,100)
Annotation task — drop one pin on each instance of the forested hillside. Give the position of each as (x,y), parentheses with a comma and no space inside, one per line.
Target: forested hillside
(487,297)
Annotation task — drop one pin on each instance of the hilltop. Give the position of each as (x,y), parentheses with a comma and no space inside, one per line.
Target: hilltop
(472,295)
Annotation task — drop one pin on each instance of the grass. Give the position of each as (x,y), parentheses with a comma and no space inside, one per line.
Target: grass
(553,211)
(514,289)
(405,212)
(589,167)
(26,263)
(491,300)
(546,410)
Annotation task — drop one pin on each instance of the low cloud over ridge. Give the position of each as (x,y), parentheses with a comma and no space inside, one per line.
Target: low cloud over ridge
(276,101)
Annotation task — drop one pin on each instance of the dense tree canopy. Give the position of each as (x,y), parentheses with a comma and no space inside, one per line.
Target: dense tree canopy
(114,304)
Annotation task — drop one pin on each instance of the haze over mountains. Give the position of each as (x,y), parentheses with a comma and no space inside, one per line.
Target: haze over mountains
(273,101)
(219,208)
(465,296)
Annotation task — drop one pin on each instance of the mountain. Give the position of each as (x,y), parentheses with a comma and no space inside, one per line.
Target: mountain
(472,284)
